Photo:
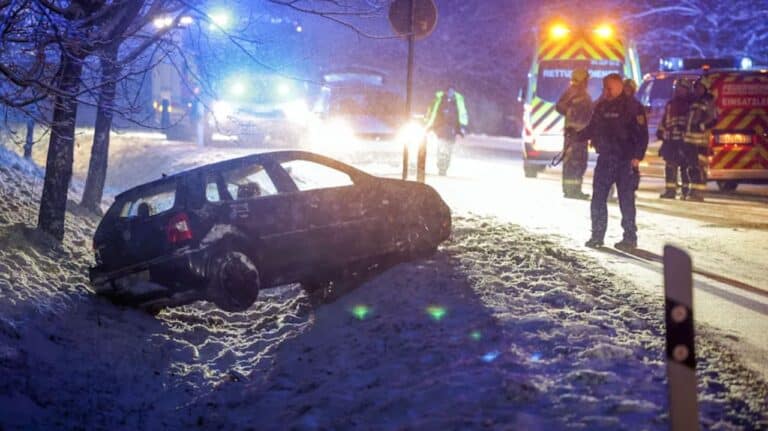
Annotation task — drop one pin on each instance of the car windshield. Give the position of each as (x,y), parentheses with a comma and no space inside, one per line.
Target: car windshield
(555,75)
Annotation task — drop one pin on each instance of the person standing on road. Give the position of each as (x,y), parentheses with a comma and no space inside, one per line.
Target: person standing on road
(576,105)
(670,131)
(630,89)
(618,130)
(447,118)
(702,116)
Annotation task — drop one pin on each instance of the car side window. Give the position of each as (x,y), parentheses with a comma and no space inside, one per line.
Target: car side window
(247,181)
(212,190)
(308,175)
(150,203)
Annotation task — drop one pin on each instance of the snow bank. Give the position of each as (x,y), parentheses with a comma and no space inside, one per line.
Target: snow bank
(499,330)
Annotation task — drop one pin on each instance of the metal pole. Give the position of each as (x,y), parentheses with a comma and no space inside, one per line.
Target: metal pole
(681,356)
(409,82)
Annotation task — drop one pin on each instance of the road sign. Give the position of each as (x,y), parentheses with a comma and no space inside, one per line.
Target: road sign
(424,13)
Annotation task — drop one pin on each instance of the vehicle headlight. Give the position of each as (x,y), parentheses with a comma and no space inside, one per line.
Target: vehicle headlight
(548,143)
(411,134)
(221,110)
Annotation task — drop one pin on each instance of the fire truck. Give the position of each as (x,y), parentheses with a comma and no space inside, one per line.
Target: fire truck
(559,49)
(738,144)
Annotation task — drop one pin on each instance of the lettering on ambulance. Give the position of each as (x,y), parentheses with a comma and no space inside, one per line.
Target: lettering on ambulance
(742,102)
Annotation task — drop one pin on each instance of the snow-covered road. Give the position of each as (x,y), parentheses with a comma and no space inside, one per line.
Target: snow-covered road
(511,325)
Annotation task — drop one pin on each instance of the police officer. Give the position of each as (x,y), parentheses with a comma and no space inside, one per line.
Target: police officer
(618,130)
(576,105)
(702,116)
(447,118)
(671,130)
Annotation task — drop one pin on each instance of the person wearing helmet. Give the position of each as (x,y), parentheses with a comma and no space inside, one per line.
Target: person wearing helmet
(619,132)
(670,131)
(576,105)
(447,118)
(702,117)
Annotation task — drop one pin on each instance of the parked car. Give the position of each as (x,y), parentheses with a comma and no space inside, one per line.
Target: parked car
(224,231)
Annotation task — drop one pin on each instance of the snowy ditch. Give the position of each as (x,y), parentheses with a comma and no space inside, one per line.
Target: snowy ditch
(501,329)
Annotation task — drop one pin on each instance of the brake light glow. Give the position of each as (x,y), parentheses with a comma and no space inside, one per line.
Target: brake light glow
(734,139)
(178,229)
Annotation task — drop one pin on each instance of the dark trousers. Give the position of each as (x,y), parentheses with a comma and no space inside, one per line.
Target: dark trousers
(575,156)
(613,170)
(671,169)
(695,165)
(674,159)
(444,153)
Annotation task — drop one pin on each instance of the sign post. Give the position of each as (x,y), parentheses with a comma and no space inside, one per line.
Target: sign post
(681,357)
(412,19)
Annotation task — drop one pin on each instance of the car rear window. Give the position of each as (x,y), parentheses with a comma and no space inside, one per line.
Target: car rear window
(150,202)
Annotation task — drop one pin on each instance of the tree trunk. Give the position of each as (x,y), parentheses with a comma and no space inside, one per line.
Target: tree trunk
(30,142)
(97,166)
(58,167)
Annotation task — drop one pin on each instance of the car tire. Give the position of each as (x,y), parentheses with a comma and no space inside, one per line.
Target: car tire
(531,171)
(727,186)
(234,281)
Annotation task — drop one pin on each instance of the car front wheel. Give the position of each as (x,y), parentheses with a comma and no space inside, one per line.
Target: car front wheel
(234,281)
(727,186)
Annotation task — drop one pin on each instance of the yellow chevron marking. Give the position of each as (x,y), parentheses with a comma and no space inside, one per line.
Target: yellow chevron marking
(744,161)
(727,159)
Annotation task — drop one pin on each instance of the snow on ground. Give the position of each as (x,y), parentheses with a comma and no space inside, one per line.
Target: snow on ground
(501,329)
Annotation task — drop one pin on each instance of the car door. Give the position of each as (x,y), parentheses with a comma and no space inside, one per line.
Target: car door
(339,222)
(248,199)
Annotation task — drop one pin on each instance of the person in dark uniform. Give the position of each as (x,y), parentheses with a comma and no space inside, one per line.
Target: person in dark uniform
(702,117)
(670,132)
(618,130)
(576,106)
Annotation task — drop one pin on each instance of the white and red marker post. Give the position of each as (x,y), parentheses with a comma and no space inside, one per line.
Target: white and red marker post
(681,355)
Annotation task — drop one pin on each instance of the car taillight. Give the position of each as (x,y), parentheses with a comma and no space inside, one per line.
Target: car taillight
(179,229)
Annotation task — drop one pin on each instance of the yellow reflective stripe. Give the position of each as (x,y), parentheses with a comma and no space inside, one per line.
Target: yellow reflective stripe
(671,185)
(571,181)
(698,186)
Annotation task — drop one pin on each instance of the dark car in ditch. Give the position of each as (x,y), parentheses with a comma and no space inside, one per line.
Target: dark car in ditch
(224,231)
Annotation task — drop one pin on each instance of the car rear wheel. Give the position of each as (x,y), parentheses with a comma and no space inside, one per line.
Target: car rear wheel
(532,171)
(234,281)
(727,186)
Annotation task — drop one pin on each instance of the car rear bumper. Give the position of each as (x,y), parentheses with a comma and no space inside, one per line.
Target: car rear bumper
(180,271)
(738,174)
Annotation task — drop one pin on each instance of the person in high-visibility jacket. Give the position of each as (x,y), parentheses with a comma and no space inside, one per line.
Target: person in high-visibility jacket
(670,131)
(447,118)
(702,116)
(575,104)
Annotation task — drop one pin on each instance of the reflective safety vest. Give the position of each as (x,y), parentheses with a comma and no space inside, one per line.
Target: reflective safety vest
(460,107)
(701,118)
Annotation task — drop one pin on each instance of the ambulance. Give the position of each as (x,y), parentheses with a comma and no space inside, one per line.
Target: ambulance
(559,49)
(738,144)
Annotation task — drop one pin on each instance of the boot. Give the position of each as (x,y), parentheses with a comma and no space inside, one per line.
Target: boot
(668,194)
(594,243)
(626,244)
(696,196)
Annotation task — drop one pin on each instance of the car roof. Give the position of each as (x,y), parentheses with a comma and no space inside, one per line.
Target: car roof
(266,157)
